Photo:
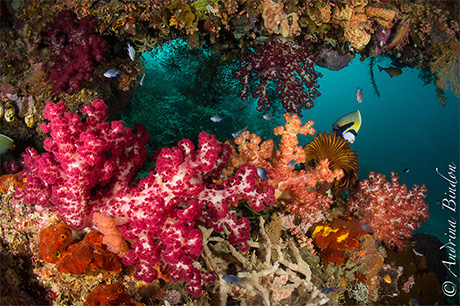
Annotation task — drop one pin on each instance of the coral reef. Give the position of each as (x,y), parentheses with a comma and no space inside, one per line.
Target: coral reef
(390,209)
(338,152)
(245,222)
(289,66)
(76,49)
(79,160)
(271,275)
(277,21)
(109,294)
(336,237)
(181,176)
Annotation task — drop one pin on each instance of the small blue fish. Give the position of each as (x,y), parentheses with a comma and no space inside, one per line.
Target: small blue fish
(292,163)
(414,302)
(141,82)
(112,73)
(267,117)
(328,290)
(131,52)
(262,173)
(216,118)
(377,244)
(359,95)
(231,279)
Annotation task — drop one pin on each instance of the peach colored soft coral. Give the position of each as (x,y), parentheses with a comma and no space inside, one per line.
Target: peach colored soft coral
(112,236)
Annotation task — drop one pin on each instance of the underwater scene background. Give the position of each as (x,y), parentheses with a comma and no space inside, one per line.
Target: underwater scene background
(238,152)
(397,132)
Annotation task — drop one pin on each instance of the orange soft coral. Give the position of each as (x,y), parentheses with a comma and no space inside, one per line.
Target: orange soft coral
(336,237)
(288,150)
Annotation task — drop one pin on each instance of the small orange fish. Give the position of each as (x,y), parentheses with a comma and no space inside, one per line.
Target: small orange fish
(392,71)
(387,278)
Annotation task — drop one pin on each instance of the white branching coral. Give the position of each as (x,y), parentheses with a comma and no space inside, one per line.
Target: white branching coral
(267,274)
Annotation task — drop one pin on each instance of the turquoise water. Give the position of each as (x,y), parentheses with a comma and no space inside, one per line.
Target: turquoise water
(406,127)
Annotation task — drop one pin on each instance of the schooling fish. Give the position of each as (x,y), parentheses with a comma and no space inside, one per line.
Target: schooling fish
(131,51)
(231,279)
(216,118)
(112,73)
(392,71)
(406,170)
(292,163)
(262,173)
(359,95)
(348,126)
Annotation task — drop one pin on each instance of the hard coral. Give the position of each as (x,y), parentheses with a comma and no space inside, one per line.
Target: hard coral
(289,66)
(76,51)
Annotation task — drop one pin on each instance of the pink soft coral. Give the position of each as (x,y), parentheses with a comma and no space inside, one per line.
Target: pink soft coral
(83,158)
(88,170)
(392,211)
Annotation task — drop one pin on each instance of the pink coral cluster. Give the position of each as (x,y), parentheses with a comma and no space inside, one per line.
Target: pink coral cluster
(87,172)
(392,211)
(166,207)
(289,66)
(83,158)
(76,51)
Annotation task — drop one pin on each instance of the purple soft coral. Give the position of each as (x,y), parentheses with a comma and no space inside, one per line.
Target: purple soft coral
(76,51)
(289,66)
